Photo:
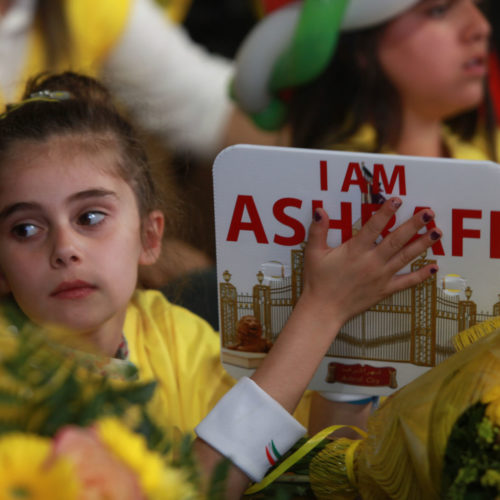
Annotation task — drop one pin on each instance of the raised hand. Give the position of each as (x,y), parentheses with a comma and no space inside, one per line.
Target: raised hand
(359,273)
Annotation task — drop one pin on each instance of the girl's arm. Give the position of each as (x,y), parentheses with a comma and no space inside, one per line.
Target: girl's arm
(338,284)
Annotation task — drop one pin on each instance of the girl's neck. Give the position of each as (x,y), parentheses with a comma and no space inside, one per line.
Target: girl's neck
(105,340)
(107,344)
(421,136)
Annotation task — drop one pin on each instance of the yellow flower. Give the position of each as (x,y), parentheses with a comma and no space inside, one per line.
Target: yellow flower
(491,478)
(157,479)
(27,471)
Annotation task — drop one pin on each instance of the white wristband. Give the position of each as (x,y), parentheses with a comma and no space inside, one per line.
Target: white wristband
(250,428)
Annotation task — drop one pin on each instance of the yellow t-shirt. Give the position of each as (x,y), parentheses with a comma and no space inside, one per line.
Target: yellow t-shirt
(181,352)
(364,140)
(94,27)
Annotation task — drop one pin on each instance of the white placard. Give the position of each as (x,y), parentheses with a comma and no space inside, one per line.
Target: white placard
(264,201)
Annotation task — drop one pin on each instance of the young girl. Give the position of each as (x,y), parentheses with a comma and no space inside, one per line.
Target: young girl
(407,77)
(79,214)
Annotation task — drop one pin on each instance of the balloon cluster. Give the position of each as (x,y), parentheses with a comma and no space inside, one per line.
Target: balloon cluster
(292,45)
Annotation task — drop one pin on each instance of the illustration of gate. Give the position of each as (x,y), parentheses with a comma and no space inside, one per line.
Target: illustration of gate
(413,326)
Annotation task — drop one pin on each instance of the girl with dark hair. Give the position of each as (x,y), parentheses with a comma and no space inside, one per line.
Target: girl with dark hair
(408,77)
(79,214)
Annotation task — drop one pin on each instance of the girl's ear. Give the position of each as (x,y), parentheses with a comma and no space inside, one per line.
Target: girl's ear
(152,232)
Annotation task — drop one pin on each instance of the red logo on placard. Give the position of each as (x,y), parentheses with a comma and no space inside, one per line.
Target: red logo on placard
(363,375)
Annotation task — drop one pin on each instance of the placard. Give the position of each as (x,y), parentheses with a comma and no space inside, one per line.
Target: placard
(264,201)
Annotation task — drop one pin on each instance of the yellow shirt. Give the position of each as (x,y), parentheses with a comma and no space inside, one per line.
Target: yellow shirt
(364,140)
(181,352)
(94,27)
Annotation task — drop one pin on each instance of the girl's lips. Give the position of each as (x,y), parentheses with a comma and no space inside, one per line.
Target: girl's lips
(73,290)
(476,66)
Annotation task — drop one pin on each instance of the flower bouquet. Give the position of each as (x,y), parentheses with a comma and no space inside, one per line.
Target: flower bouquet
(74,425)
(436,438)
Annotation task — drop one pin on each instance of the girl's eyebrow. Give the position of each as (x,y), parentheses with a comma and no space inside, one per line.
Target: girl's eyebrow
(81,195)
(92,193)
(17,207)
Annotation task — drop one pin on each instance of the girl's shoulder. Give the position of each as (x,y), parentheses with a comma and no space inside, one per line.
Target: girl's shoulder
(475,149)
(154,302)
(364,140)
(150,310)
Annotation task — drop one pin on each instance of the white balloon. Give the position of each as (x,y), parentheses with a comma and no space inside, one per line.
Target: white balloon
(366,13)
(258,54)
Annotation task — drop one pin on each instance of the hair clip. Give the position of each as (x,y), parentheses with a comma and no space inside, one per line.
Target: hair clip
(56,95)
(40,95)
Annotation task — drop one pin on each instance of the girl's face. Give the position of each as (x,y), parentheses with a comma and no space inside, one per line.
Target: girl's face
(70,236)
(435,54)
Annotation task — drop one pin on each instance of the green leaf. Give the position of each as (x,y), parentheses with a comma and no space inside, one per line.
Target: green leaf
(470,453)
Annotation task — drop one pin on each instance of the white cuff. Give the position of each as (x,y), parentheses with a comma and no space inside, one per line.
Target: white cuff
(250,428)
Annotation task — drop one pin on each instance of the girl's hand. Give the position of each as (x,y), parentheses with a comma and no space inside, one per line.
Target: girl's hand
(359,273)
(338,284)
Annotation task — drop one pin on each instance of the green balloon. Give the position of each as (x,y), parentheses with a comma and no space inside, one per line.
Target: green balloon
(312,46)
(273,117)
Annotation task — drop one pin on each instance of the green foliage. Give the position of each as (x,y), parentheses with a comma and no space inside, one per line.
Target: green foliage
(13,313)
(472,458)
(42,389)
(45,386)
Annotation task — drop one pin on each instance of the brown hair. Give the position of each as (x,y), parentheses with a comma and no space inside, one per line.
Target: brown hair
(352,91)
(88,112)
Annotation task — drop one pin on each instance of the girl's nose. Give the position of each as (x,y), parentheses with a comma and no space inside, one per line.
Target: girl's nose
(477,27)
(64,249)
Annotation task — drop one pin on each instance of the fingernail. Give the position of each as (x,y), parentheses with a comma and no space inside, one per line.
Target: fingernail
(435,236)
(396,203)
(317,216)
(433,270)
(426,217)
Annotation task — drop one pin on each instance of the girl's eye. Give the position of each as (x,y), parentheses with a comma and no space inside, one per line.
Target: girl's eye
(26,230)
(438,9)
(91,218)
